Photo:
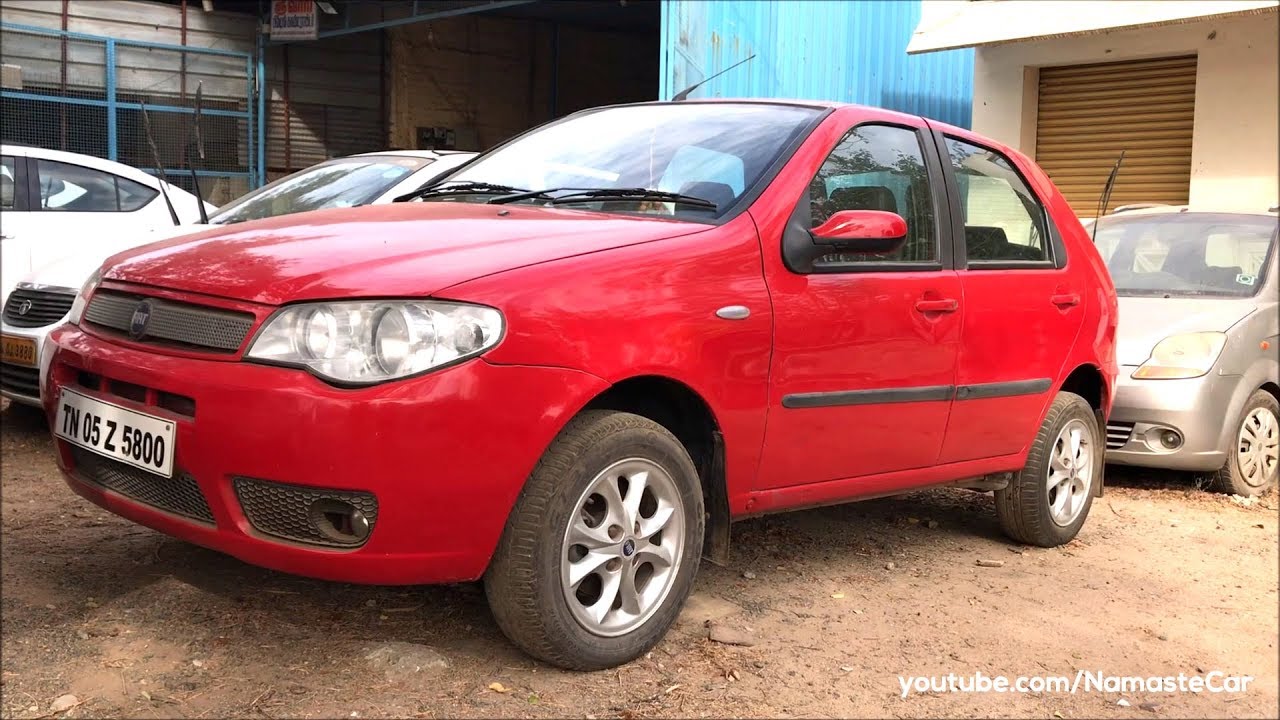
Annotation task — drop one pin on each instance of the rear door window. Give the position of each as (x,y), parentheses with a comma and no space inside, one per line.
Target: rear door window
(65,187)
(8,182)
(1004,221)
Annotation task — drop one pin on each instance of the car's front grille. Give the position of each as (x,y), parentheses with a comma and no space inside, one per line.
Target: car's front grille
(184,324)
(20,380)
(293,512)
(30,308)
(1118,434)
(179,494)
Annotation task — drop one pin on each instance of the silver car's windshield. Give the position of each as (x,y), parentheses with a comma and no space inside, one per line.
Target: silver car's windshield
(715,152)
(344,182)
(1187,254)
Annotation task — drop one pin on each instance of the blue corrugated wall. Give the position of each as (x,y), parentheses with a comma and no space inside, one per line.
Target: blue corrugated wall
(844,51)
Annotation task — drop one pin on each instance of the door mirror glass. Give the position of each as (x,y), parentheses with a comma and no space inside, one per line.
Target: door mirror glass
(862,231)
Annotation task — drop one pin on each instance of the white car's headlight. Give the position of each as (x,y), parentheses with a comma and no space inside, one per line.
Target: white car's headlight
(371,342)
(1182,356)
(82,297)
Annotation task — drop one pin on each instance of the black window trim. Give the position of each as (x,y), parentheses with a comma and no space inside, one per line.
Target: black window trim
(38,205)
(936,178)
(1055,246)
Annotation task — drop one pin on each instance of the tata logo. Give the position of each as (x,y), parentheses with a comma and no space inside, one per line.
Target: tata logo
(24,307)
(141,316)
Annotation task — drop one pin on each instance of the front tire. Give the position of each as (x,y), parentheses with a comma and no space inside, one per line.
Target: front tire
(1254,461)
(1047,502)
(602,546)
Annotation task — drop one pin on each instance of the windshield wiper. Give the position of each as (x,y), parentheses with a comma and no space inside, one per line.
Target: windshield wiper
(634,194)
(460,188)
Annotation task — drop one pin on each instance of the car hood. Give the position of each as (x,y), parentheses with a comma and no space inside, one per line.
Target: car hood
(1145,321)
(405,249)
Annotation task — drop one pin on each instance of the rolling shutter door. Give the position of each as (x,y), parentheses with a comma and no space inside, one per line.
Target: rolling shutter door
(1087,114)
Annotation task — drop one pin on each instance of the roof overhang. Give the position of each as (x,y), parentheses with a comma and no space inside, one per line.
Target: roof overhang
(952,25)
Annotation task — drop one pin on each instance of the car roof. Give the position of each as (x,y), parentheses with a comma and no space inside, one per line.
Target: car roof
(1157,209)
(428,154)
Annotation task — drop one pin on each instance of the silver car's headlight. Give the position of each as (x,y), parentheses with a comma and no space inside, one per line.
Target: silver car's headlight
(371,342)
(82,297)
(1182,356)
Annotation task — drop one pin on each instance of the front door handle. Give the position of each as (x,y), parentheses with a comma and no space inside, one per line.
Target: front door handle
(1065,300)
(938,306)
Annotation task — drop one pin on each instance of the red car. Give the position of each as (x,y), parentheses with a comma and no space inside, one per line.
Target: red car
(569,367)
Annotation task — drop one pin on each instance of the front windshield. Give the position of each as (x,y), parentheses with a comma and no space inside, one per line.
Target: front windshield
(1186,254)
(712,151)
(344,182)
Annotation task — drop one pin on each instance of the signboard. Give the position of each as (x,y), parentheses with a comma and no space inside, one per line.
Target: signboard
(293,20)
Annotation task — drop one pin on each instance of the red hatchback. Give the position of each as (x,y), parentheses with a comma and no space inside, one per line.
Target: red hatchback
(568,368)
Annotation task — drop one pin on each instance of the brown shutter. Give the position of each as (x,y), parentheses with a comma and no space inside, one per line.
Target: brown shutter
(1087,114)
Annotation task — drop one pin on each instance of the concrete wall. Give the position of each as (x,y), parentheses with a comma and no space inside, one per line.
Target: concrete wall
(1236,141)
(491,78)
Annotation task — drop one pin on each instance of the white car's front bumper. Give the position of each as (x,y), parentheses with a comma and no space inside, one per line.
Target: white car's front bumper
(18,381)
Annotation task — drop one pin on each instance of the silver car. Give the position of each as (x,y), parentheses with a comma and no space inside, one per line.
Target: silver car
(1197,343)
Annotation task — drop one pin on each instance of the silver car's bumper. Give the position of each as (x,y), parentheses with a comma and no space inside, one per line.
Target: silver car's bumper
(1195,409)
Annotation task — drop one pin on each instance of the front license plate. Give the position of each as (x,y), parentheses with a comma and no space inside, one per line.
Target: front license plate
(119,433)
(18,350)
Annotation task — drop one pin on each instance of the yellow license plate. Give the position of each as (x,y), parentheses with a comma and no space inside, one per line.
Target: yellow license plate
(19,350)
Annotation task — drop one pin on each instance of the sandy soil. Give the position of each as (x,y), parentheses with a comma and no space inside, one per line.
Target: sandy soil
(841,601)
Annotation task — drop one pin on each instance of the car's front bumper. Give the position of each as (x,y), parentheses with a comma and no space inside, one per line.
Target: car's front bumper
(21,383)
(1195,409)
(444,454)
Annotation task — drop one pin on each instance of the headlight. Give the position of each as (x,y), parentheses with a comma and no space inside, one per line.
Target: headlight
(82,297)
(371,342)
(1183,356)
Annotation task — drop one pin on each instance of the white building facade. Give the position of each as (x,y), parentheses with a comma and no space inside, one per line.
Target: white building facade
(1188,90)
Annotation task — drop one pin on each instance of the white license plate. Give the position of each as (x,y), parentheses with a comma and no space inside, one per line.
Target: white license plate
(119,433)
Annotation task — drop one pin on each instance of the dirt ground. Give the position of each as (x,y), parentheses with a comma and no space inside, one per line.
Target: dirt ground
(841,601)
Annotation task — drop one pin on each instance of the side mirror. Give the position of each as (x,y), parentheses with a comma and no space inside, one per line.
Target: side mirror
(862,231)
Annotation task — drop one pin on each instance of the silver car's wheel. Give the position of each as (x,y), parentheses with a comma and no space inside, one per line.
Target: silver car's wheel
(622,547)
(1258,447)
(1253,464)
(1070,475)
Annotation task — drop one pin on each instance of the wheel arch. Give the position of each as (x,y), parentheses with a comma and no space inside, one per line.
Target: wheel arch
(688,416)
(1087,381)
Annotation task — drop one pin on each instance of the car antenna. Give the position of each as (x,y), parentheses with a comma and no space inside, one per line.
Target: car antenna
(199,140)
(155,157)
(684,94)
(1106,196)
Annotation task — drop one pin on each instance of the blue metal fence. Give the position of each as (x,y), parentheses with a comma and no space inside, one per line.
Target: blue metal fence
(85,93)
(814,50)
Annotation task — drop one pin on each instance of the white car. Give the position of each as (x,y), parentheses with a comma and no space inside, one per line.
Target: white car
(58,204)
(43,297)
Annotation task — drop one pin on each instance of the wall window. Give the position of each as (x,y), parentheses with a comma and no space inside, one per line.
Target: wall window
(1003,219)
(73,188)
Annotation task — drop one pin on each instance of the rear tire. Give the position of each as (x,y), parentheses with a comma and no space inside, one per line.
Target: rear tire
(1251,467)
(1047,502)
(590,573)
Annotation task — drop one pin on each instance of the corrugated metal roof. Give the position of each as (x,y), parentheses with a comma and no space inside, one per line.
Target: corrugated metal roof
(839,51)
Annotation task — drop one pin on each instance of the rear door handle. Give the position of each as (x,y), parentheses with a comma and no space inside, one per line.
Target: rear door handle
(1065,300)
(940,306)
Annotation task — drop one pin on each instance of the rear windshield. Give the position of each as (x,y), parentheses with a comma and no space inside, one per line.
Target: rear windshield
(1187,254)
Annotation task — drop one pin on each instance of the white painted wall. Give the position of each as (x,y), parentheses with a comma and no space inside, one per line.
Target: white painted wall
(1236,140)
